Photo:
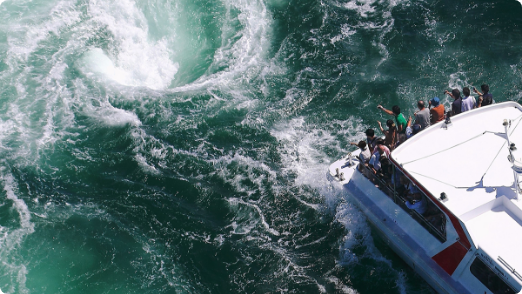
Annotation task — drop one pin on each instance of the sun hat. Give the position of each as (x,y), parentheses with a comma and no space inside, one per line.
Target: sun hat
(435,102)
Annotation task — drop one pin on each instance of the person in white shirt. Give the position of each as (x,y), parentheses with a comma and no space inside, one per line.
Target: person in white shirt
(365,154)
(468,102)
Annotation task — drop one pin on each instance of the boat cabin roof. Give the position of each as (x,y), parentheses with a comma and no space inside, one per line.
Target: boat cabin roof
(468,160)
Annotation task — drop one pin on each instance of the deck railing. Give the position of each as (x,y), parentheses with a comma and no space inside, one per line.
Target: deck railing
(438,231)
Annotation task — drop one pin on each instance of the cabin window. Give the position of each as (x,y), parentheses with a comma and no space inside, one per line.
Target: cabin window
(420,207)
(399,188)
(489,278)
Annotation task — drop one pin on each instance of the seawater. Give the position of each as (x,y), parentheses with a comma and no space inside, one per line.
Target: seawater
(174,146)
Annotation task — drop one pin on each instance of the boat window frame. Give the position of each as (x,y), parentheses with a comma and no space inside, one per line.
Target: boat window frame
(483,281)
(391,192)
(439,234)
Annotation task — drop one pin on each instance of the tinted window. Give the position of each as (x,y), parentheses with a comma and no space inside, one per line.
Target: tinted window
(487,277)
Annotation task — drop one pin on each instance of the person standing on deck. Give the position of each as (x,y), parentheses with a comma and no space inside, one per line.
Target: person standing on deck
(391,135)
(456,106)
(365,154)
(371,139)
(468,102)
(436,110)
(422,117)
(485,98)
(399,118)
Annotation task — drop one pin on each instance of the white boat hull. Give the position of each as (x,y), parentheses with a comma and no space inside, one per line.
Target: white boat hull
(396,227)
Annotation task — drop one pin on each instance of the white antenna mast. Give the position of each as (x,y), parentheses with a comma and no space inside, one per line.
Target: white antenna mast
(517,165)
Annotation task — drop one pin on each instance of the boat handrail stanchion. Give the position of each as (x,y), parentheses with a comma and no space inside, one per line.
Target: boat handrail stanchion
(349,157)
(516,165)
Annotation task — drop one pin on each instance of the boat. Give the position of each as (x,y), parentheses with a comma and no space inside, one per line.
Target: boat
(466,169)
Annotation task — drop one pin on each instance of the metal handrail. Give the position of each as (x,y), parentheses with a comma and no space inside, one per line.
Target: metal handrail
(425,223)
(510,268)
(401,202)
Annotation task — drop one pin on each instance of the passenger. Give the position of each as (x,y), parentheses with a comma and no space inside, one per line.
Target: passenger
(399,118)
(418,203)
(381,148)
(391,135)
(456,106)
(371,139)
(485,98)
(364,157)
(386,170)
(406,188)
(412,130)
(365,154)
(434,216)
(380,151)
(436,110)
(468,102)
(422,117)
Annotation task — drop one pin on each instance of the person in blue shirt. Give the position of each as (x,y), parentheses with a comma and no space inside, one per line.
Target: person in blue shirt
(418,203)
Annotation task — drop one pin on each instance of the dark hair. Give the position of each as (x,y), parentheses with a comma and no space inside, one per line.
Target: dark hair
(396,109)
(466,91)
(485,88)
(420,104)
(390,123)
(380,141)
(385,164)
(361,144)
(370,133)
(455,93)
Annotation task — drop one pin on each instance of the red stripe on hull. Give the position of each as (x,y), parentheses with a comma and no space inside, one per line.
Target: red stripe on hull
(450,258)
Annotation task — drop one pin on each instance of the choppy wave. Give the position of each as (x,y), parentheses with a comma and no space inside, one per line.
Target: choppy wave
(156,146)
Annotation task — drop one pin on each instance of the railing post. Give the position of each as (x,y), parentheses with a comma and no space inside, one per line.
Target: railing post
(394,184)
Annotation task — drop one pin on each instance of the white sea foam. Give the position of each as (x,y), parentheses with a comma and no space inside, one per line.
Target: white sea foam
(301,146)
(26,36)
(242,54)
(237,201)
(458,80)
(375,15)
(135,60)
(363,7)
(11,239)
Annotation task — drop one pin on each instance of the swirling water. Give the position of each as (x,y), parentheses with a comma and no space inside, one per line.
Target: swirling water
(173,146)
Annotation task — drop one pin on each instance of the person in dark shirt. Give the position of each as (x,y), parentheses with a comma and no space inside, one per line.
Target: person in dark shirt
(456,106)
(485,98)
(371,139)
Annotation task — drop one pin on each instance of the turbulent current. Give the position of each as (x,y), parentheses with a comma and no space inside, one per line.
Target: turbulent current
(181,146)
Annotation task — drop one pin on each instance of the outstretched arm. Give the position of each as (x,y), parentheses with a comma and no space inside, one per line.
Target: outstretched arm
(385,110)
(477,91)
(449,93)
(479,102)
(380,127)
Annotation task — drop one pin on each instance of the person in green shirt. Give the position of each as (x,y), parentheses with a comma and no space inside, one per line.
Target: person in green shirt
(399,118)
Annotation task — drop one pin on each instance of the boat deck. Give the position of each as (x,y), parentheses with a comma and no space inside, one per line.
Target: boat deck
(468,161)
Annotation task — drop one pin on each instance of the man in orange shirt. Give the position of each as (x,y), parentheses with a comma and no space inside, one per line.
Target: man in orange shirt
(436,110)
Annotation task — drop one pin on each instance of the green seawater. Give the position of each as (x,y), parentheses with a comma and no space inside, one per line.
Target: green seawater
(176,146)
